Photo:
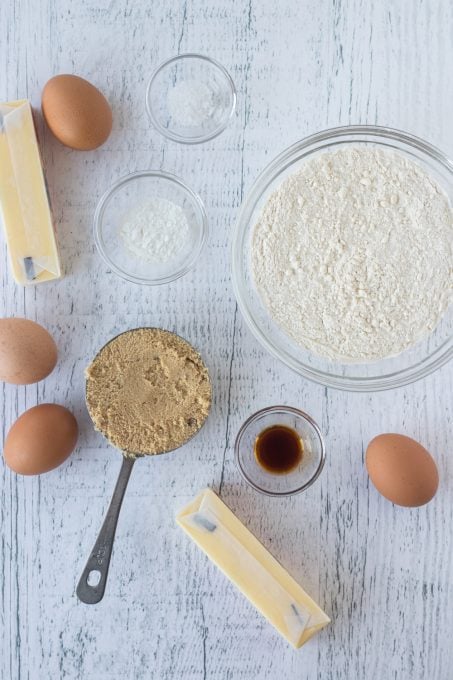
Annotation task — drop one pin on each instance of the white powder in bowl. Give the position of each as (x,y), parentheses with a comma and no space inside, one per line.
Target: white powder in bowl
(191,103)
(353,254)
(156,231)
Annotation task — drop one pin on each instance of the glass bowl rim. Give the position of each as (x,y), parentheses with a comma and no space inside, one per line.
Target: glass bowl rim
(181,138)
(397,378)
(112,190)
(292,411)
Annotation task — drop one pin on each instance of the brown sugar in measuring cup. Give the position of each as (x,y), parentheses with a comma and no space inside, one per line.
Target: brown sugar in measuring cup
(148,392)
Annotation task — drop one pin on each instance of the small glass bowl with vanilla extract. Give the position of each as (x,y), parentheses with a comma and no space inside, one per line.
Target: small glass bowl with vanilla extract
(280,451)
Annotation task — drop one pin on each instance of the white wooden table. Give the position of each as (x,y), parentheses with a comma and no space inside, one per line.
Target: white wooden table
(384,574)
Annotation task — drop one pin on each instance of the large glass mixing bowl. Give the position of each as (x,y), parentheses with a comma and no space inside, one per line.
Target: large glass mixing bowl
(418,361)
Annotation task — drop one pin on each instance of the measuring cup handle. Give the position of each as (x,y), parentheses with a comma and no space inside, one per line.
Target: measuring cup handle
(99,560)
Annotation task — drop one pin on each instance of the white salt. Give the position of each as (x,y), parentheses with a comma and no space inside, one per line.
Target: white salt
(191,103)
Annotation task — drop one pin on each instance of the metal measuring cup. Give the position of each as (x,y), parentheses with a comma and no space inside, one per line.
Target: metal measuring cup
(99,561)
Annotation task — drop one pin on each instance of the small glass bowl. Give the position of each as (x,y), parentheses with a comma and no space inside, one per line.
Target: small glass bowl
(183,72)
(276,484)
(124,196)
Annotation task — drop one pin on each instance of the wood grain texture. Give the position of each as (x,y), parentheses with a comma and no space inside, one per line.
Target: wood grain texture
(385,575)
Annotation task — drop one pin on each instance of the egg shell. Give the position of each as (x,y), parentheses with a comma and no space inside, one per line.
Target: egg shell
(77,113)
(41,439)
(402,470)
(28,352)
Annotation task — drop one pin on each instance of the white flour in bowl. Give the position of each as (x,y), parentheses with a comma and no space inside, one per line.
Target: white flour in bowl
(353,254)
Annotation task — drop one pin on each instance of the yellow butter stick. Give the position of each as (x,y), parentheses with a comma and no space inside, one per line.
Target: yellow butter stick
(247,563)
(24,205)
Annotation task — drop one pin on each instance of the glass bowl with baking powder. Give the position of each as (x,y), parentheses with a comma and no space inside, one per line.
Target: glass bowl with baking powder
(427,354)
(150,227)
(190,98)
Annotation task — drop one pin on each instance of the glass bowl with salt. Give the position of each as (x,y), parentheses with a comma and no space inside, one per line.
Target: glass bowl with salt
(190,98)
(150,227)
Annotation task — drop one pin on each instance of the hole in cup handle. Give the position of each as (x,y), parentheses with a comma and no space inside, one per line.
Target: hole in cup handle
(94,577)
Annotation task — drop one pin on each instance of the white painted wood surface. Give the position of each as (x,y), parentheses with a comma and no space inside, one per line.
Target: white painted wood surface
(384,574)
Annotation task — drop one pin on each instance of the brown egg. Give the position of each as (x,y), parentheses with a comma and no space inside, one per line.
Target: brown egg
(28,352)
(77,112)
(41,439)
(402,470)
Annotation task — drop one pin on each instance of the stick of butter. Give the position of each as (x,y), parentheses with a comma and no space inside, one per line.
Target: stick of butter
(24,205)
(247,563)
